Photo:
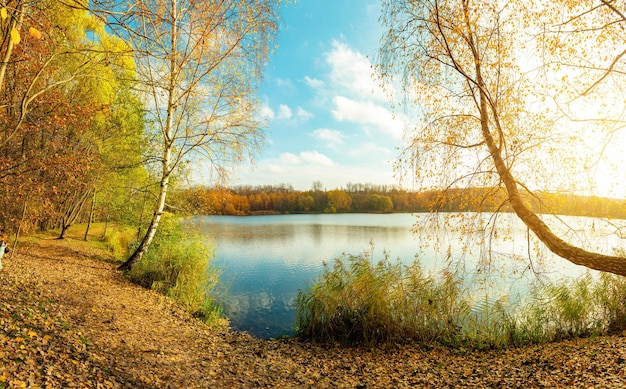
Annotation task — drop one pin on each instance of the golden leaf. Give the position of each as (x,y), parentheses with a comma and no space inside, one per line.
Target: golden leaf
(15,36)
(3,13)
(34,33)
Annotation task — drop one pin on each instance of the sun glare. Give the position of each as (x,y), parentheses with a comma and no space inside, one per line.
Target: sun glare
(602,126)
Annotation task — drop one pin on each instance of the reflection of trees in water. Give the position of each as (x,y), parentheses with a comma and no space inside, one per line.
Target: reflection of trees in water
(262,314)
(318,232)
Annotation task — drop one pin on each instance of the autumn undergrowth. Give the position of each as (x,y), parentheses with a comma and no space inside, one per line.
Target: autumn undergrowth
(117,239)
(179,265)
(359,302)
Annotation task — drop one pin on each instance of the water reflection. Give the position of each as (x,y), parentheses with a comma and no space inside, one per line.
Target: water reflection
(267,259)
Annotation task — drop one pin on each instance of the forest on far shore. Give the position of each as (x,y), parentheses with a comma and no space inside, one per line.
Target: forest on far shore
(367,198)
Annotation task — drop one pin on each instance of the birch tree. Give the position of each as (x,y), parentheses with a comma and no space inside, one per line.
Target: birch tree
(497,89)
(199,64)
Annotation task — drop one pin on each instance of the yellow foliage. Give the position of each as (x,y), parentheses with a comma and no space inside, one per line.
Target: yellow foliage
(15,36)
(35,33)
(3,13)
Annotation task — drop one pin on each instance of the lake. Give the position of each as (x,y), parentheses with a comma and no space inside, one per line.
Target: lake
(266,260)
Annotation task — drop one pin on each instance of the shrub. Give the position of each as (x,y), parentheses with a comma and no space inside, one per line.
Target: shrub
(179,265)
(118,240)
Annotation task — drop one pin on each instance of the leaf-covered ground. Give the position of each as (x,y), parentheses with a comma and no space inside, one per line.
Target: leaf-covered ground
(69,319)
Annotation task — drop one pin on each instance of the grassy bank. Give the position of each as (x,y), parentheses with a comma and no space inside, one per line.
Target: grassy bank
(179,265)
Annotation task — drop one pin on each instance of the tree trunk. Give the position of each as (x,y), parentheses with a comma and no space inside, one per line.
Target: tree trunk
(168,145)
(75,206)
(64,228)
(90,218)
(154,224)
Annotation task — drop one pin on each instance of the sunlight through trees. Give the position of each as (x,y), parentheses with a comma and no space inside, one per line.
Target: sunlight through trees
(461,67)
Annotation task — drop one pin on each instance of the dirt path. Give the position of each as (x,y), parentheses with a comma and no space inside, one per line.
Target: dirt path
(69,319)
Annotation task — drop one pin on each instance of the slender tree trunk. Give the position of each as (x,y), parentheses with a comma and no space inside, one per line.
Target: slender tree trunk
(64,229)
(16,22)
(72,212)
(168,145)
(154,223)
(574,254)
(90,218)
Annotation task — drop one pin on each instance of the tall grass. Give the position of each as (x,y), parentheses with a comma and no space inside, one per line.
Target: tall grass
(179,264)
(357,301)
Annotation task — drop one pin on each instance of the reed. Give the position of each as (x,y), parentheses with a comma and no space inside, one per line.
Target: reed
(358,302)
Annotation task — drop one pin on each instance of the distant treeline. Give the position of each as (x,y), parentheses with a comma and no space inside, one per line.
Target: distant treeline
(365,198)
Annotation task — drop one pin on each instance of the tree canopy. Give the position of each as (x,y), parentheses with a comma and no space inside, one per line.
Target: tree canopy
(498,88)
(198,66)
(66,111)
(107,102)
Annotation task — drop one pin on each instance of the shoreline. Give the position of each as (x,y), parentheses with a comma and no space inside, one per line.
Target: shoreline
(68,318)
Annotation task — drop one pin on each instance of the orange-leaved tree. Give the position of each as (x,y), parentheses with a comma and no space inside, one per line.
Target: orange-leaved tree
(59,91)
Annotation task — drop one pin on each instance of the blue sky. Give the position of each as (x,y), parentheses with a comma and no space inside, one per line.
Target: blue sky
(328,119)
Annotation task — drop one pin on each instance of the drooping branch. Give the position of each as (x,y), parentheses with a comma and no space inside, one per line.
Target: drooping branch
(456,56)
(574,254)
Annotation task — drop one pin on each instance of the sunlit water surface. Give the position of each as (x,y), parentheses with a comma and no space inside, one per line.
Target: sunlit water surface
(266,260)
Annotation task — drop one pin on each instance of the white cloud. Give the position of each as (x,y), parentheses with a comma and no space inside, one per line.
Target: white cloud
(368,113)
(284,112)
(316,158)
(352,71)
(267,113)
(275,169)
(313,82)
(289,159)
(305,157)
(333,137)
(302,175)
(368,149)
(284,83)
(303,114)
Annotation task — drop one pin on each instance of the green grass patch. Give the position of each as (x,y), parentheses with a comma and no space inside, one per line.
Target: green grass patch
(179,265)
(117,239)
